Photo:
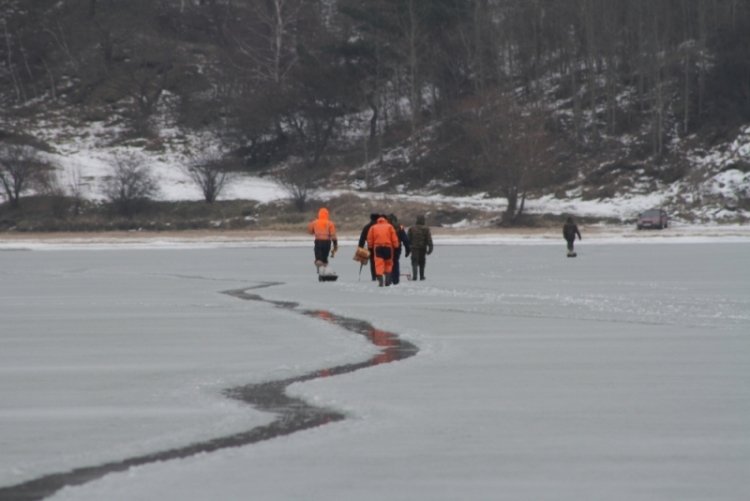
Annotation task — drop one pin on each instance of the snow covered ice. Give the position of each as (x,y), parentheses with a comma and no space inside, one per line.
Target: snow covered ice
(621,375)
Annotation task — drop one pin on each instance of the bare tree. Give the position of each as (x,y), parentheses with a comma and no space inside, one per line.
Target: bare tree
(76,187)
(21,168)
(130,183)
(143,79)
(408,19)
(321,96)
(208,170)
(269,41)
(514,145)
(298,183)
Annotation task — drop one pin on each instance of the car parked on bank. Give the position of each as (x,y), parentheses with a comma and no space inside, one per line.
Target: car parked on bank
(653,219)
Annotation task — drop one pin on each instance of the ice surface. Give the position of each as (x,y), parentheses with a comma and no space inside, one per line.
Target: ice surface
(620,375)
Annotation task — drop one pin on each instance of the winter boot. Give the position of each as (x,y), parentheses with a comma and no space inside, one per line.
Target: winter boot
(414,272)
(421,272)
(388,279)
(380,280)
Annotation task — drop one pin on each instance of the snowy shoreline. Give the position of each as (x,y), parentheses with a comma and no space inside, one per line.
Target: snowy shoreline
(594,234)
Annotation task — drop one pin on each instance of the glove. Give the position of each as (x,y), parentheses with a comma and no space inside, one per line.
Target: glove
(333,251)
(429,251)
(406,254)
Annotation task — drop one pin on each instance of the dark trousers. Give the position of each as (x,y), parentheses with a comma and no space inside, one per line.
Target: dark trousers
(418,261)
(322,250)
(570,244)
(418,257)
(396,271)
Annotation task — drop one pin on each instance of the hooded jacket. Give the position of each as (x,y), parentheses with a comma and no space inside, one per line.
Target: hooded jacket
(420,236)
(366,229)
(570,230)
(382,234)
(323,228)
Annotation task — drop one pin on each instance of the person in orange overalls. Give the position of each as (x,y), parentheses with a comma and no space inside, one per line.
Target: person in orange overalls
(325,236)
(383,240)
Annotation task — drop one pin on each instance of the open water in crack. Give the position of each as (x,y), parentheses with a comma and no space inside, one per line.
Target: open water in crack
(292,414)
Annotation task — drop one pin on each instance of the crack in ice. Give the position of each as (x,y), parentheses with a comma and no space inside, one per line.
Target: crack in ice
(293,414)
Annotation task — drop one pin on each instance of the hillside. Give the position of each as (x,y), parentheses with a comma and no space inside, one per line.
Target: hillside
(600,112)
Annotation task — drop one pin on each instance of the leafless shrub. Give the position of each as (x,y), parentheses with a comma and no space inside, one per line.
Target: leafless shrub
(21,169)
(298,183)
(130,184)
(76,188)
(209,171)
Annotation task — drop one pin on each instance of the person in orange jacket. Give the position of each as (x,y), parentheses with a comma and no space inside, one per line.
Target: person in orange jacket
(325,237)
(383,240)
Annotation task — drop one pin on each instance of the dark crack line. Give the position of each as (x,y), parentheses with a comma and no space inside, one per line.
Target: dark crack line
(292,414)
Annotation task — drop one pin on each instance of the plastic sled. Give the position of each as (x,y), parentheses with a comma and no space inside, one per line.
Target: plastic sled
(324,273)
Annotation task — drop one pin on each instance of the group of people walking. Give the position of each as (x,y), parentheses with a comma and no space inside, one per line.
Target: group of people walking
(381,243)
(385,239)
(382,240)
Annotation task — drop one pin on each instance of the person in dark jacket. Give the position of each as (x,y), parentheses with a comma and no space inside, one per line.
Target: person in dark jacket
(403,239)
(420,240)
(570,230)
(363,242)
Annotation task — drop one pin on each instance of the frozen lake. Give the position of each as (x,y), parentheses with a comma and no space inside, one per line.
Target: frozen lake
(623,374)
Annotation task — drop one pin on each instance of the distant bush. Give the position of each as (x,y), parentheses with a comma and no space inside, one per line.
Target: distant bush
(130,184)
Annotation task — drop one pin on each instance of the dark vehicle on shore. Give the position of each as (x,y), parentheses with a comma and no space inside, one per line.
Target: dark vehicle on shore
(653,218)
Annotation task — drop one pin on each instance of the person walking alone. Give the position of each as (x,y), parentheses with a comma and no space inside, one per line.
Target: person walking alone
(383,241)
(420,239)
(325,237)
(570,230)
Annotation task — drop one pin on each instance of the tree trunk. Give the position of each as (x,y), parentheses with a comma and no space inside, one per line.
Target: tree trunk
(52,83)
(374,118)
(414,90)
(686,35)
(510,212)
(9,62)
(591,62)
(702,37)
